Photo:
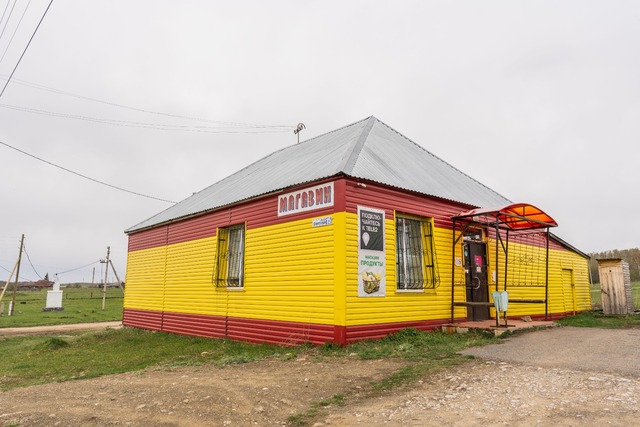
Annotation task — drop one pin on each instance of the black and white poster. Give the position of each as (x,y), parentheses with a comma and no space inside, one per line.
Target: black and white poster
(371,253)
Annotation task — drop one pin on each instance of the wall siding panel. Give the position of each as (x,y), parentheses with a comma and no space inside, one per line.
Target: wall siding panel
(301,281)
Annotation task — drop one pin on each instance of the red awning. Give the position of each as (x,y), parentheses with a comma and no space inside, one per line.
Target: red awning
(518,216)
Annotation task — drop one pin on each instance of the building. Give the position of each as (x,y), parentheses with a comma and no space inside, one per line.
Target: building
(347,236)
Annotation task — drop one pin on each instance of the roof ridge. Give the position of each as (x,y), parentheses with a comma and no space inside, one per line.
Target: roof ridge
(336,130)
(266,157)
(357,148)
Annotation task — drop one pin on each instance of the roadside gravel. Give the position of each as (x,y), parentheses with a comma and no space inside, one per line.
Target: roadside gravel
(561,377)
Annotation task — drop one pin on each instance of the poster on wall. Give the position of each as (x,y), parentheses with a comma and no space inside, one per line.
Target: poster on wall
(371,254)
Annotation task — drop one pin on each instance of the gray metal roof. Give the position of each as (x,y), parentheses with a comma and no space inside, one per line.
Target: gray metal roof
(368,149)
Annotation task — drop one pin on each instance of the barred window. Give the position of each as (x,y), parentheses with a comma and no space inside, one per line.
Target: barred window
(415,254)
(230,261)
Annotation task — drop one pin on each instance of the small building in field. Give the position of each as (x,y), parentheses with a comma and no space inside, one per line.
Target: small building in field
(351,235)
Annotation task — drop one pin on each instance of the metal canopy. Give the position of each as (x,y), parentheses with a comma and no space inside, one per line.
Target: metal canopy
(513,220)
(517,216)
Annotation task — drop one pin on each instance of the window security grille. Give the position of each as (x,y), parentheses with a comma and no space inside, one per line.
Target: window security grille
(415,255)
(230,262)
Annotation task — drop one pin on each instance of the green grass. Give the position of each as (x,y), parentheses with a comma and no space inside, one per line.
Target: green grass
(43,359)
(81,305)
(593,319)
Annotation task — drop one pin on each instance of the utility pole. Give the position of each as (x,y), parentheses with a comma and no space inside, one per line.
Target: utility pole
(115,274)
(15,284)
(106,272)
(93,276)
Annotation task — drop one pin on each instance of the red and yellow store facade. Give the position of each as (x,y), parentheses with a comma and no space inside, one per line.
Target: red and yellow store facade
(308,255)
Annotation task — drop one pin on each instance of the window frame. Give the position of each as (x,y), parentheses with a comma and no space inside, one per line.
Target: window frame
(411,277)
(230,257)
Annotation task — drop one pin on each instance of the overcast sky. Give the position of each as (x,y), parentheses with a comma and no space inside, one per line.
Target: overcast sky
(539,100)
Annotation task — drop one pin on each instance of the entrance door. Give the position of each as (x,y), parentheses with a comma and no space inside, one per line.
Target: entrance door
(475,255)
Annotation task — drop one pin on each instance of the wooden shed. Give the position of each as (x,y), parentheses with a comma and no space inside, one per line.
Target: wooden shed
(343,237)
(615,284)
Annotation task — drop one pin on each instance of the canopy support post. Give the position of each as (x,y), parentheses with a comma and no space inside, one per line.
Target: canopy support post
(546,281)
(453,268)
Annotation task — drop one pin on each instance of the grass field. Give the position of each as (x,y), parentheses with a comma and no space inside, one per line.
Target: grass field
(42,359)
(80,305)
(596,295)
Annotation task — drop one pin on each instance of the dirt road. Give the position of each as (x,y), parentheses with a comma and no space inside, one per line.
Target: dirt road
(553,377)
(58,329)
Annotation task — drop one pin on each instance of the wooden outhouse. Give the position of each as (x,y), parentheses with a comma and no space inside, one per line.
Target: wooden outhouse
(347,236)
(615,284)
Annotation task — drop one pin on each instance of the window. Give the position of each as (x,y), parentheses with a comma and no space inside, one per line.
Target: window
(230,261)
(416,267)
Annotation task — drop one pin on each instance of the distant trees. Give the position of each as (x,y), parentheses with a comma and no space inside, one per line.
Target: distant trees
(632,256)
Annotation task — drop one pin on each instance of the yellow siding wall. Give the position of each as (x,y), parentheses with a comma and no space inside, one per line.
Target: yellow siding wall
(145,279)
(561,300)
(289,275)
(398,306)
(298,273)
(189,288)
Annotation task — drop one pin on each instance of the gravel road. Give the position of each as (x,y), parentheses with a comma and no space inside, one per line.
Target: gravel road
(614,351)
(560,377)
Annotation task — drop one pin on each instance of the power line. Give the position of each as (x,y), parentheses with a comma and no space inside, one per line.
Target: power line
(24,248)
(5,12)
(25,48)
(26,279)
(8,17)
(78,268)
(287,128)
(84,176)
(129,123)
(14,31)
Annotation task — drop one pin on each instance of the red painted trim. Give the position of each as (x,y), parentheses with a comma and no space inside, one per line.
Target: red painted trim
(391,199)
(278,332)
(375,331)
(194,324)
(148,239)
(255,213)
(340,335)
(144,319)
(266,331)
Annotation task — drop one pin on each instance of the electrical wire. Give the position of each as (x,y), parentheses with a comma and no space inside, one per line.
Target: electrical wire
(8,18)
(14,32)
(4,12)
(156,126)
(142,110)
(25,48)
(78,268)
(24,248)
(26,279)
(84,176)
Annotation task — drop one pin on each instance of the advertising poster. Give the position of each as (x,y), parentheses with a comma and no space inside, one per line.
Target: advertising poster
(371,253)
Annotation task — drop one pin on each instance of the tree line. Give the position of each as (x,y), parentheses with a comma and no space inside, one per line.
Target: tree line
(631,256)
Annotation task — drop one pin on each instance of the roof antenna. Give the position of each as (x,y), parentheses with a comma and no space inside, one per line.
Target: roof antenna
(298,129)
